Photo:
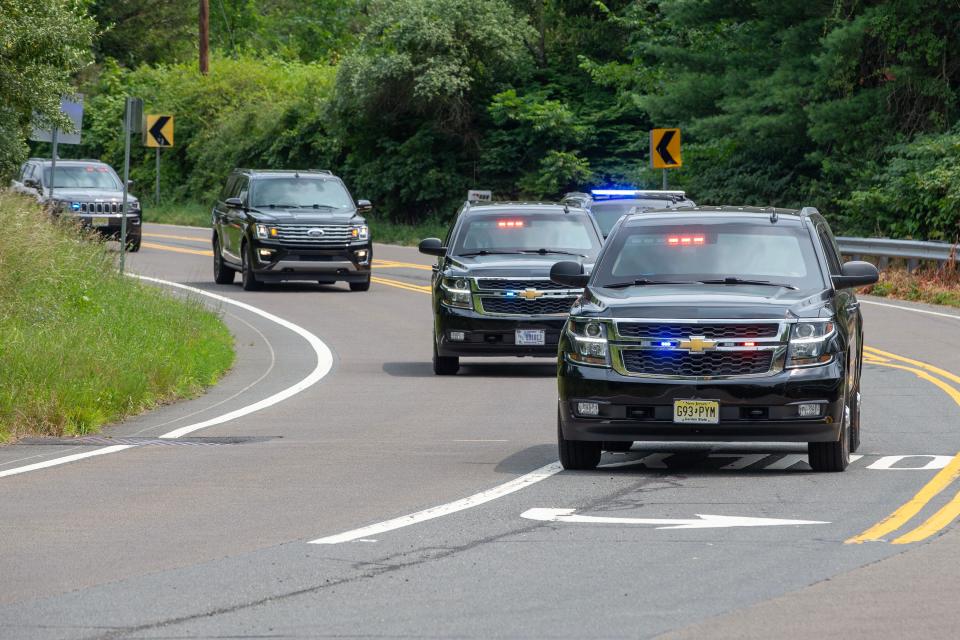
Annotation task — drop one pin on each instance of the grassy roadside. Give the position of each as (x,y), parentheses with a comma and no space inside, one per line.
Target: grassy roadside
(82,345)
(385,231)
(934,286)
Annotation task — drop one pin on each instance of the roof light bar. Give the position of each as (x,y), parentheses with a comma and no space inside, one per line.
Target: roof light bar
(636,192)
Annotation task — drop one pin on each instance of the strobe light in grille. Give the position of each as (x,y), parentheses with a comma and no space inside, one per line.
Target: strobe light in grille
(519,306)
(665,331)
(684,364)
(497,284)
(314,234)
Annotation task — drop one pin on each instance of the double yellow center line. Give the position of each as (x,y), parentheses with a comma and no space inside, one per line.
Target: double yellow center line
(939,483)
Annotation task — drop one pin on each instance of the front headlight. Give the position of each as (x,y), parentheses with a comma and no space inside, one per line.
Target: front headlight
(455,292)
(589,340)
(809,344)
(134,205)
(266,232)
(360,233)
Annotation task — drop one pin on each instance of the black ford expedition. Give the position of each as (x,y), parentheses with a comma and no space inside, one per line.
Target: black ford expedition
(492,294)
(87,190)
(273,226)
(718,324)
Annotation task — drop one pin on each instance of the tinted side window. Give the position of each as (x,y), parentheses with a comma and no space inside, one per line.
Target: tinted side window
(228,188)
(829,249)
(242,187)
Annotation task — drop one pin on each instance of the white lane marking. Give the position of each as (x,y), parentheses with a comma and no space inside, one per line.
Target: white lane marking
(324,361)
(702,521)
(475,500)
(740,461)
(63,460)
(787,461)
(896,306)
(324,364)
(934,462)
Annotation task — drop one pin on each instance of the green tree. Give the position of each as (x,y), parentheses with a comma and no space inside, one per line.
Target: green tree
(42,45)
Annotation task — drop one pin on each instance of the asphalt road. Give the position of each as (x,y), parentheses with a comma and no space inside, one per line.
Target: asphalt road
(213,533)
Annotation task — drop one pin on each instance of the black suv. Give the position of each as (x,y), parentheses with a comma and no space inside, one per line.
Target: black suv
(609,205)
(290,225)
(492,294)
(719,324)
(88,190)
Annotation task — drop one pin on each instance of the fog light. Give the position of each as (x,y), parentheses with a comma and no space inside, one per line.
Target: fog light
(458,336)
(808,410)
(266,253)
(362,254)
(588,408)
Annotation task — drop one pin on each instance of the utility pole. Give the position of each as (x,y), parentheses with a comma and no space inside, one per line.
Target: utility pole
(204,36)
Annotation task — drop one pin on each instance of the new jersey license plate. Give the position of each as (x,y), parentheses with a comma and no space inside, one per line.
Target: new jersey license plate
(530,337)
(696,411)
(100,222)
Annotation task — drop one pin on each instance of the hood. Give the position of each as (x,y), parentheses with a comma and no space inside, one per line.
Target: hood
(308,216)
(707,302)
(513,265)
(91,195)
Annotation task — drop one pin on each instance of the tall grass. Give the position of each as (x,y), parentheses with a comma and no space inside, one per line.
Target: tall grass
(81,345)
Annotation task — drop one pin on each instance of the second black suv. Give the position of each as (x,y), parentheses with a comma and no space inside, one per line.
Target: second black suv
(273,226)
(492,294)
(88,190)
(609,205)
(721,324)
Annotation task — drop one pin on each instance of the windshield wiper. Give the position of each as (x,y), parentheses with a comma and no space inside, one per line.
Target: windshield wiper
(644,282)
(544,252)
(322,206)
(729,280)
(274,205)
(487,252)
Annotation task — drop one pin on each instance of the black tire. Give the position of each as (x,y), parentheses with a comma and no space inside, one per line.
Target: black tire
(577,454)
(247,278)
(617,447)
(360,286)
(832,456)
(134,245)
(855,421)
(222,274)
(326,281)
(444,365)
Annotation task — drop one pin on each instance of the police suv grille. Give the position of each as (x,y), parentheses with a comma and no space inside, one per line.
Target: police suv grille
(498,284)
(520,306)
(685,364)
(709,331)
(300,234)
(100,207)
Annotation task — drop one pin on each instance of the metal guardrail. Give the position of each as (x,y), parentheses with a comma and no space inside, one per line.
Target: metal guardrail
(913,250)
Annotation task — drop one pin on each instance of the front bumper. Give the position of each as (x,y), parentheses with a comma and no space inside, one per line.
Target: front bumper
(759,409)
(486,335)
(273,262)
(109,225)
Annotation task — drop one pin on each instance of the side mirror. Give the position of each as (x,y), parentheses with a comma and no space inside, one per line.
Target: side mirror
(31,183)
(432,247)
(570,274)
(856,274)
(234,203)
(129,184)
(364,206)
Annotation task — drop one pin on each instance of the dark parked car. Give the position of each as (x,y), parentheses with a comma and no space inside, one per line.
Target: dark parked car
(719,324)
(88,190)
(492,294)
(273,226)
(609,205)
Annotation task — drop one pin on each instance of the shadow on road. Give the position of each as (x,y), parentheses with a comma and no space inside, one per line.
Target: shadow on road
(493,370)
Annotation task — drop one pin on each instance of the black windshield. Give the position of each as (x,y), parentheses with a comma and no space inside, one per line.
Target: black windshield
(721,251)
(607,212)
(517,232)
(84,177)
(300,192)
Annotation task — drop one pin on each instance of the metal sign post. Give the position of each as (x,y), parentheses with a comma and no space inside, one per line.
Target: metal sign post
(156,197)
(132,116)
(54,143)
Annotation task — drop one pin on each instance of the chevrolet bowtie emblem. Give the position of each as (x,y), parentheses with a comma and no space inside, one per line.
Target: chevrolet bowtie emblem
(698,344)
(530,294)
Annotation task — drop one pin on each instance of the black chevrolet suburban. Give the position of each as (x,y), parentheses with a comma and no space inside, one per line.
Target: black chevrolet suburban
(492,294)
(714,324)
(273,226)
(89,191)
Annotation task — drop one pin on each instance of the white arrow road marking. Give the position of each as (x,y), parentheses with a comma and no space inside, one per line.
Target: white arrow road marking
(703,521)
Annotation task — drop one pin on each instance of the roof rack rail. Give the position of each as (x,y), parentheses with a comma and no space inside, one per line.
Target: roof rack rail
(325,172)
(809,211)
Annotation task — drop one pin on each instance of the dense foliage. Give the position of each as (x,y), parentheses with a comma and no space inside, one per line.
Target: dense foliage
(849,105)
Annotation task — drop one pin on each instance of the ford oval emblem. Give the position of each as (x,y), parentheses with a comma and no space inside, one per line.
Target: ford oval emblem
(315,233)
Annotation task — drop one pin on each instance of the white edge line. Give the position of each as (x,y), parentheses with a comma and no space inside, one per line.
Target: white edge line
(896,306)
(65,459)
(476,499)
(324,364)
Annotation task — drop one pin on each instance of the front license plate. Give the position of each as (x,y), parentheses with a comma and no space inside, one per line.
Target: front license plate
(696,411)
(100,222)
(530,337)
